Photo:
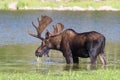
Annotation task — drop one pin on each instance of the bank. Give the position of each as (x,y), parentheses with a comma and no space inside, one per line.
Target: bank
(74,8)
(61,6)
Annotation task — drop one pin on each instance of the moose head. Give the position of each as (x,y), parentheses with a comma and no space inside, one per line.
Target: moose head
(49,41)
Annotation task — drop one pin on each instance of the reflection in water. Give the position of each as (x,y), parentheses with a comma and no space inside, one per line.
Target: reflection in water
(17,47)
(44,68)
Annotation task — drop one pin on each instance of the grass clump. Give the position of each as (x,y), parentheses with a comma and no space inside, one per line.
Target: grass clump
(3,5)
(86,4)
(64,75)
(21,4)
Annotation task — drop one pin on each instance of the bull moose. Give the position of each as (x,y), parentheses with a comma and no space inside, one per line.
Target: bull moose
(72,44)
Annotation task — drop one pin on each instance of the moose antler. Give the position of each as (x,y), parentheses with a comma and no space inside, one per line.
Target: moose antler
(57,29)
(43,23)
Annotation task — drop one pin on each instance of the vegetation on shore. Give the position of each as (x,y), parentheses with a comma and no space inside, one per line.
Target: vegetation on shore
(63,75)
(37,4)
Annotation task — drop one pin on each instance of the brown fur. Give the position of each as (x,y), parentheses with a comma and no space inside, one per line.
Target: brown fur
(70,43)
(74,45)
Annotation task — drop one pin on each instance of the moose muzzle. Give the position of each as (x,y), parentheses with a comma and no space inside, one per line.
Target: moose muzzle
(42,51)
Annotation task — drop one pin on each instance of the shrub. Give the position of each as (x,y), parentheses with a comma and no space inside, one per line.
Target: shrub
(21,4)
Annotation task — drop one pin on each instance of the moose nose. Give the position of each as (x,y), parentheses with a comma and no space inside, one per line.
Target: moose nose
(37,53)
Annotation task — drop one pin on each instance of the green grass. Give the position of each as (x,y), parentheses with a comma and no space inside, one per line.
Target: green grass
(64,75)
(81,3)
(85,4)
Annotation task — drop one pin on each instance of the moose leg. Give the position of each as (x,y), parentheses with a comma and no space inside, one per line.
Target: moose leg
(92,50)
(69,60)
(68,57)
(93,56)
(67,53)
(93,60)
(75,60)
(102,58)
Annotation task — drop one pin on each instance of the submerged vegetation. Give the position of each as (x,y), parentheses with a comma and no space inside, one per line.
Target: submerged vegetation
(38,4)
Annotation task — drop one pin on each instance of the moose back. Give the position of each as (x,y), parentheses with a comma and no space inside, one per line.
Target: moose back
(72,44)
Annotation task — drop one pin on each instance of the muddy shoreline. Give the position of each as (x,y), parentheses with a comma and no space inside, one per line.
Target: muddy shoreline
(62,8)
(75,8)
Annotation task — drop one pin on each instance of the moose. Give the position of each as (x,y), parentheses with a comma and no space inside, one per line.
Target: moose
(72,44)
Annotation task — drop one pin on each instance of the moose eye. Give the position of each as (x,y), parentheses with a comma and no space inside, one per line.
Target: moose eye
(43,43)
(47,40)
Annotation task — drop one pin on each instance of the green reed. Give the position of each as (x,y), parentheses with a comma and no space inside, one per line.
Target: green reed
(107,74)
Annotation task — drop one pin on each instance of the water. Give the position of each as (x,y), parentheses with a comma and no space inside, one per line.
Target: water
(17,47)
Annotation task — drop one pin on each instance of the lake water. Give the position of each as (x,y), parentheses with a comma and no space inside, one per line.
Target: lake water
(17,47)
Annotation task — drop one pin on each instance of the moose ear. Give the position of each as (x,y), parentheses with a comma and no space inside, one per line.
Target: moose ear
(47,34)
(59,27)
